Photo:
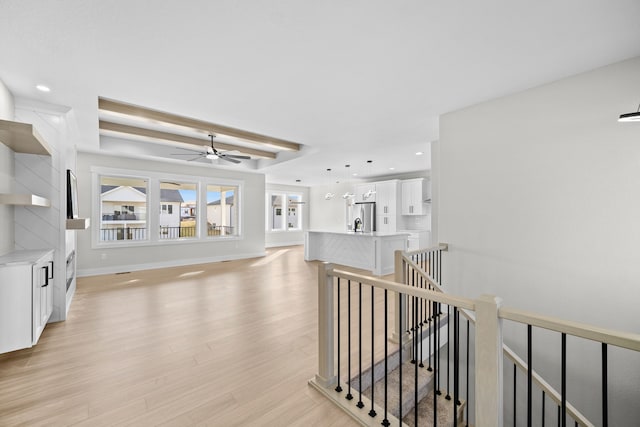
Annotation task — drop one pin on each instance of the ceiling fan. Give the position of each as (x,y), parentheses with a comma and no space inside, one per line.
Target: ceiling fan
(213,154)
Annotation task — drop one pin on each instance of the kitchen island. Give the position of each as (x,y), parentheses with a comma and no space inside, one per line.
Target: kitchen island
(368,251)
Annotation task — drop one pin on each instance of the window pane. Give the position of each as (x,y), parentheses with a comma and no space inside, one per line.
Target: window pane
(222,210)
(180,218)
(277,214)
(294,208)
(123,208)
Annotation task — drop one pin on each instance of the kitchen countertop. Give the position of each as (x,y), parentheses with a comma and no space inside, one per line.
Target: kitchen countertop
(352,233)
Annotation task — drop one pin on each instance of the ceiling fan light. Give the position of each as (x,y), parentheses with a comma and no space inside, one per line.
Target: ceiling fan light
(212,156)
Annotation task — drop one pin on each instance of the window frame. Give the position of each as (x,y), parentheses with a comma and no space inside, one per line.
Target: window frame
(285,211)
(154,207)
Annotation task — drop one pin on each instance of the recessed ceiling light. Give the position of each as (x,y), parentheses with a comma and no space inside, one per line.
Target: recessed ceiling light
(354,174)
(419,153)
(392,169)
(43,88)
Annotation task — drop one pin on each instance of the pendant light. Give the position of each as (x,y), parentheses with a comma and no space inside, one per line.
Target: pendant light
(348,195)
(329,194)
(630,117)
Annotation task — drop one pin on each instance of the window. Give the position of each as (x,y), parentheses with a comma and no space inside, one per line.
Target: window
(123,208)
(222,210)
(184,208)
(181,222)
(284,212)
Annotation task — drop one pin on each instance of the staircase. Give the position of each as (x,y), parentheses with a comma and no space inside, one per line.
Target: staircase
(424,392)
(433,361)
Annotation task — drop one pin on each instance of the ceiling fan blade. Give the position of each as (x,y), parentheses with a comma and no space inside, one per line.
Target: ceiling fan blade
(195,158)
(184,154)
(228,159)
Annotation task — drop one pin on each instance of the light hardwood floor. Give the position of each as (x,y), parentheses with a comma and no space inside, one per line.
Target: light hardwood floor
(221,344)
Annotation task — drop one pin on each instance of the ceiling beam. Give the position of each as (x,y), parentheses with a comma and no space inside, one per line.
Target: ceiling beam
(167,136)
(119,107)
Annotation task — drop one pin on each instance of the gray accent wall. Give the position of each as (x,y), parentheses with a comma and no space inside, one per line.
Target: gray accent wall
(96,260)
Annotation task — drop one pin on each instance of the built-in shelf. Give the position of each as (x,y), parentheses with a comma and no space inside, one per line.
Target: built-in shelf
(24,200)
(23,138)
(78,223)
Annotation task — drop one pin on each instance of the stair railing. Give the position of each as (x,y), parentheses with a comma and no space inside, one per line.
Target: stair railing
(362,358)
(413,263)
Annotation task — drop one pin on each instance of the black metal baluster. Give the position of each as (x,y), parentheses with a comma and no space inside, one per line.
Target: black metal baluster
(360,404)
(422,302)
(429,320)
(515,391)
(349,396)
(436,390)
(385,421)
(415,370)
(456,372)
(338,388)
(559,411)
(605,397)
(467,394)
(372,412)
(437,347)
(529,375)
(543,414)
(401,298)
(564,379)
(447,365)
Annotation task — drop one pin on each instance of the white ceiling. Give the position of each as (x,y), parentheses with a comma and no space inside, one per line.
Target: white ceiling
(351,80)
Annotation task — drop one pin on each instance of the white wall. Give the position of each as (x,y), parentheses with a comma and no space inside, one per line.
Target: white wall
(539,200)
(6,174)
(106,260)
(287,238)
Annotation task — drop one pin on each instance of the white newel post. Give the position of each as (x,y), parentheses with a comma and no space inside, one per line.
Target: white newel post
(399,277)
(488,362)
(326,374)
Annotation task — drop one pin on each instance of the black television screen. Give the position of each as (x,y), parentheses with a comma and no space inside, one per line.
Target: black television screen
(72,195)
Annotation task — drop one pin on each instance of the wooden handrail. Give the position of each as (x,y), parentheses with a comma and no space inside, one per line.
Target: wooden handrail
(608,336)
(403,289)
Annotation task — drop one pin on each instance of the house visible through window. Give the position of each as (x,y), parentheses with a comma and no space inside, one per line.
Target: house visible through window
(222,210)
(178,213)
(178,216)
(123,208)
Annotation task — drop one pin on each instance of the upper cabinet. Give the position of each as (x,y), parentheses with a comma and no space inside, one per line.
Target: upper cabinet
(414,197)
(23,138)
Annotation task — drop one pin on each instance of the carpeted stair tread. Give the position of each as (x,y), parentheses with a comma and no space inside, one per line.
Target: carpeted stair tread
(444,411)
(408,381)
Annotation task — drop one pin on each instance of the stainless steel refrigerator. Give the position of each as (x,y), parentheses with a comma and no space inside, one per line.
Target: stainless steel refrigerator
(361,217)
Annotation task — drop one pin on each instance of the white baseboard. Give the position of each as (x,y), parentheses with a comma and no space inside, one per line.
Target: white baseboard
(163,264)
(280,244)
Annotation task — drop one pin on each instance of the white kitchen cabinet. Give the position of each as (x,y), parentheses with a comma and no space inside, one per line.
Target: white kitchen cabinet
(26,297)
(414,195)
(366,192)
(387,205)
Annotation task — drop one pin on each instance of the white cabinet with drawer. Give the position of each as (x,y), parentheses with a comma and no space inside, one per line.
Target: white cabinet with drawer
(26,297)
